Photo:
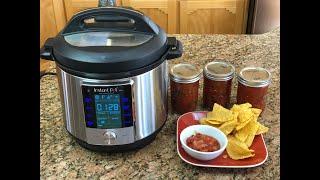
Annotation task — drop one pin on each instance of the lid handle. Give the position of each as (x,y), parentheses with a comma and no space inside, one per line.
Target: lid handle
(110,18)
(107,21)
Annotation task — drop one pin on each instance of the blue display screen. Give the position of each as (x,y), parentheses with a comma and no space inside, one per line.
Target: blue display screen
(108,111)
(107,107)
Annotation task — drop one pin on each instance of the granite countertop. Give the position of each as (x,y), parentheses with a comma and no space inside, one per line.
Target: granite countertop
(62,157)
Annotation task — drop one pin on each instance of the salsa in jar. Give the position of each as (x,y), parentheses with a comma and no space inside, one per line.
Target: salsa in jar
(184,86)
(218,78)
(253,83)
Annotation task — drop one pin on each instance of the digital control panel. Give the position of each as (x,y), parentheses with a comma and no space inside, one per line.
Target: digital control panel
(107,107)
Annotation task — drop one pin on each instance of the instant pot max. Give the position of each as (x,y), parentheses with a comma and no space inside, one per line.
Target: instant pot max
(113,77)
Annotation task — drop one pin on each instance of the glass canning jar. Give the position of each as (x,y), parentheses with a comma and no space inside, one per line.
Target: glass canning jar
(184,86)
(217,85)
(253,83)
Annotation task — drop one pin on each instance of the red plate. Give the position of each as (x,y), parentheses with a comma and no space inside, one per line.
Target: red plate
(258,145)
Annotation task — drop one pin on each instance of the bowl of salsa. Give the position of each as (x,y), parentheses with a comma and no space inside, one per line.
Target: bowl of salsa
(203,142)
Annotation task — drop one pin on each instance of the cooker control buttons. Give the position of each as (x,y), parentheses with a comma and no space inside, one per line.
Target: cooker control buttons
(87,100)
(125,99)
(90,123)
(110,137)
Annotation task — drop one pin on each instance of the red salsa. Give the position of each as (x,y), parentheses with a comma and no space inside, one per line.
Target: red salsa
(256,96)
(184,97)
(184,87)
(203,143)
(253,83)
(218,78)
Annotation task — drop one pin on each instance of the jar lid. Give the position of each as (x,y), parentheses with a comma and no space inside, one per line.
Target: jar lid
(185,73)
(254,77)
(219,71)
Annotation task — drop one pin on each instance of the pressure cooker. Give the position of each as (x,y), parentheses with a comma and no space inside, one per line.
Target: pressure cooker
(112,73)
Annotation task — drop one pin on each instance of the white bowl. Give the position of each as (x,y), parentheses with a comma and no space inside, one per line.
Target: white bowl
(207,130)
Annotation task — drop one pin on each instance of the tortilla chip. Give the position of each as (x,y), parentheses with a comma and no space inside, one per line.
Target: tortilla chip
(220,113)
(243,124)
(206,122)
(242,134)
(228,127)
(253,128)
(245,106)
(256,111)
(261,129)
(245,115)
(212,121)
(239,107)
(237,149)
(203,121)
(235,116)
(209,115)
(235,108)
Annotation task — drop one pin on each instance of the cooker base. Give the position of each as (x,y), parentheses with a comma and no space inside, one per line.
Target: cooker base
(119,148)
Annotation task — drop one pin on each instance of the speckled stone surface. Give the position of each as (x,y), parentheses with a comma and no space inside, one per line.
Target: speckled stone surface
(62,158)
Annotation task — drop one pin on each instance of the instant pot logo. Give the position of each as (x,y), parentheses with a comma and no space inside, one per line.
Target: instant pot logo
(106,90)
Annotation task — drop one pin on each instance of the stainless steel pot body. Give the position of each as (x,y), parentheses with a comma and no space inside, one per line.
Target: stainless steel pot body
(149,103)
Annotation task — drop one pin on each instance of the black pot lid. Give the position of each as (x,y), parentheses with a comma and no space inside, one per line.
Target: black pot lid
(110,40)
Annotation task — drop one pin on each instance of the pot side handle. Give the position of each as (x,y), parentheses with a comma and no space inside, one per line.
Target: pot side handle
(175,48)
(46,50)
